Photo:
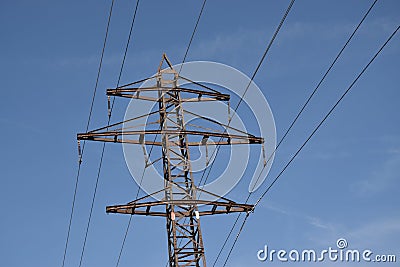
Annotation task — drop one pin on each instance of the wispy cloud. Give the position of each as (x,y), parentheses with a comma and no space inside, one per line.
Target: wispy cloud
(328,31)
(393,150)
(317,222)
(16,125)
(376,233)
(231,44)
(323,232)
(301,30)
(313,221)
(383,178)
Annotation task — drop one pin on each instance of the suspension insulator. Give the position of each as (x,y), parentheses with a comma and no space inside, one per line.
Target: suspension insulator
(79,152)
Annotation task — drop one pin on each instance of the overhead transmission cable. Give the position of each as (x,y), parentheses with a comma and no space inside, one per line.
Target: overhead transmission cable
(216,150)
(104,144)
(87,128)
(296,118)
(309,137)
(192,36)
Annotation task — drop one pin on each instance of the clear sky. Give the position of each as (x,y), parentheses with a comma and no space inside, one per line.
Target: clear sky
(344,184)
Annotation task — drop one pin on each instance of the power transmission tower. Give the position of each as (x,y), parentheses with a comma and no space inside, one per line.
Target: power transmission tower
(183,202)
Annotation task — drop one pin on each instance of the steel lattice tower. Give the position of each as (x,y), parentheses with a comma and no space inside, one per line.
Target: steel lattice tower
(182,204)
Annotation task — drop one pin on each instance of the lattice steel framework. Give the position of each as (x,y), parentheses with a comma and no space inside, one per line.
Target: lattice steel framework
(180,204)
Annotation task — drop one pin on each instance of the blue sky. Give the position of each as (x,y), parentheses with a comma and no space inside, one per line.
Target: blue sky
(345,183)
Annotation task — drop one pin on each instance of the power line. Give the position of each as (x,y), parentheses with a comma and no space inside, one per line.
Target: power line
(128,42)
(87,128)
(103,147)
(236,239)
(309,137)
(297,117)
(226,240)
(248,86)
(192,36)
(130,217)
(329,113)
(324,76)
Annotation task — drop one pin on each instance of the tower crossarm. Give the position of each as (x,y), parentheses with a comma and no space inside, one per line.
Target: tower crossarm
(192,95)
(157,208)
(136,137)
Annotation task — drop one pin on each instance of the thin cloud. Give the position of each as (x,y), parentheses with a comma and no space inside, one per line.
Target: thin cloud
(382,179)
(314,221)
(376,233)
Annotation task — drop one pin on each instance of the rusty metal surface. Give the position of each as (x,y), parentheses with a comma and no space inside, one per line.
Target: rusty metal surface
(116,137)
(207,208)
(199,94)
